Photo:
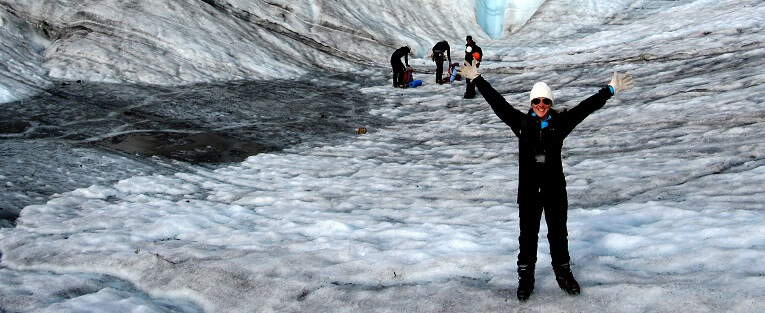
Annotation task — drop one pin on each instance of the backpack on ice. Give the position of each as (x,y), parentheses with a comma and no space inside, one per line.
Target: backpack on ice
(408,77)
(409,80)
(453,75)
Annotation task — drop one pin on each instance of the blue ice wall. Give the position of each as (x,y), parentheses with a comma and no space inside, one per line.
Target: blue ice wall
(490,14)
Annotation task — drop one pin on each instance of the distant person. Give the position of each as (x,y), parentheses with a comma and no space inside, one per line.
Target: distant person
(439,50)
(541,182)
(472,52)
(398,67)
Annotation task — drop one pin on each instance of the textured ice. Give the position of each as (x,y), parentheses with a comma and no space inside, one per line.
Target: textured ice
(665,182)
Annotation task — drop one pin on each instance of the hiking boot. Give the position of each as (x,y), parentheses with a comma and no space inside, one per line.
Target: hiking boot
(566,279)
(469,95)
(525,282)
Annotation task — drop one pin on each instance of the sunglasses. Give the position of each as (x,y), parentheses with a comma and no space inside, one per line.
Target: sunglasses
(545,101)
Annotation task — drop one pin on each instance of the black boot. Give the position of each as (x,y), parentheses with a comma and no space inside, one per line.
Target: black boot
(525,282)
(566,279)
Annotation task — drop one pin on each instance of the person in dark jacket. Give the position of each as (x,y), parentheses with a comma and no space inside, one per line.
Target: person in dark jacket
(398,67)
(541,182)
(472,52)
(439,50)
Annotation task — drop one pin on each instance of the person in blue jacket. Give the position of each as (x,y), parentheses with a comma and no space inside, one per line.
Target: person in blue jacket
(541,182)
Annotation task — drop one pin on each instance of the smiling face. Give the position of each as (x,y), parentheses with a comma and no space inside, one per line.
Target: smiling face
(541,98)
(541,106)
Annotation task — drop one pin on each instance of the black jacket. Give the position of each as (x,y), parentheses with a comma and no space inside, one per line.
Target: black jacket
(474,48)
(400,52)
(442,47)
(533,139)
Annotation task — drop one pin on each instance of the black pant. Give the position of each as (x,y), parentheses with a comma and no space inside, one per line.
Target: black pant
(398,72)
(555,206)
(470,89)
(439,68)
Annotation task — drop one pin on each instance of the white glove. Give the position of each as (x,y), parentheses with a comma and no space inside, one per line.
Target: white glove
(621,83)
(469,71)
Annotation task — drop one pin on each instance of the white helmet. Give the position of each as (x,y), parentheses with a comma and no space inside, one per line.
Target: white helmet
(469,49)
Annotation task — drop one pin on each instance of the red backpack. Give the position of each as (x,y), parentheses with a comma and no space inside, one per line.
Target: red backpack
(408,76)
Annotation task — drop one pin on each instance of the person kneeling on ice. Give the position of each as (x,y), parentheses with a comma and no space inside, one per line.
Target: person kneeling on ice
(541,182)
